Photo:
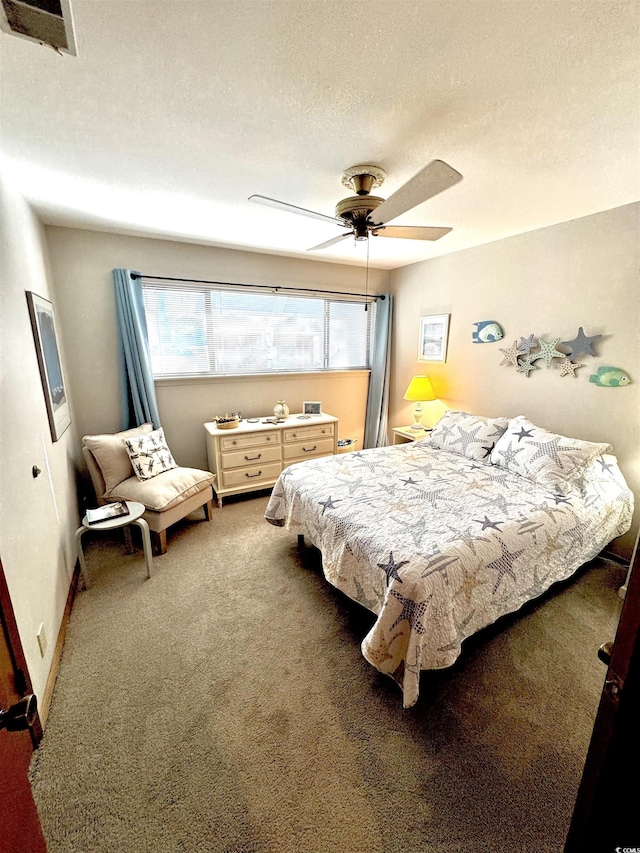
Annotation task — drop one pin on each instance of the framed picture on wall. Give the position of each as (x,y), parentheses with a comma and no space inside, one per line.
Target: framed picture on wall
(311,408)
(44,336)
(434,331)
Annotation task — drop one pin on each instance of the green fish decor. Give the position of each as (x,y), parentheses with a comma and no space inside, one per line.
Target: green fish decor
(609,377)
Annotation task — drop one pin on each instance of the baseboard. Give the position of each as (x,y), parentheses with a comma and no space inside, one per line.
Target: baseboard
(47,695)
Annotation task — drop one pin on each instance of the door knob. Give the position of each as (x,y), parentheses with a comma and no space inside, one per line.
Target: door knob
(604,653)
(19,716)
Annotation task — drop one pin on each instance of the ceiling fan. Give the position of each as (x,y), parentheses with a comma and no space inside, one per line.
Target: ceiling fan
(364,214)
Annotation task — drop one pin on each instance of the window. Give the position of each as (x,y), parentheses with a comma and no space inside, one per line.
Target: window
(212,331)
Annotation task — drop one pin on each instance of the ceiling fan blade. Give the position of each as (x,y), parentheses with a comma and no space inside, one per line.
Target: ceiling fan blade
(292,208)
(412,232)
(435,177)
(331,242)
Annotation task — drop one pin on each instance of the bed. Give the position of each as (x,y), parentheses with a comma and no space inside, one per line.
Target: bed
(442,536)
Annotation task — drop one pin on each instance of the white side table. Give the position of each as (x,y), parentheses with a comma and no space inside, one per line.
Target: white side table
(403,434)
(136,510)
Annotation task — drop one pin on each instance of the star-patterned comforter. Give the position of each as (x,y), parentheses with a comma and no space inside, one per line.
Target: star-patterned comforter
(438,546)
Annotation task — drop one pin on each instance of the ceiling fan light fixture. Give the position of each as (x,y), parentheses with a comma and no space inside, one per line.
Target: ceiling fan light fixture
(356,207)
(362,179)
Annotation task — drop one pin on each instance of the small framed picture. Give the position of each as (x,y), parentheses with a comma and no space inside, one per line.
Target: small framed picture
(434,331)
(311,408)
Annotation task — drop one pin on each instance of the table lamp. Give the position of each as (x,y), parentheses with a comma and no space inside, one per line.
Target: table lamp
(420,391)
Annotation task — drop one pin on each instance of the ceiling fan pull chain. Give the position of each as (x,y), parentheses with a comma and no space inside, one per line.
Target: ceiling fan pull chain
(366,281)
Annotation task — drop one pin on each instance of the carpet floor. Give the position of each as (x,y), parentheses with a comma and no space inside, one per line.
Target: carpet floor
(224,706)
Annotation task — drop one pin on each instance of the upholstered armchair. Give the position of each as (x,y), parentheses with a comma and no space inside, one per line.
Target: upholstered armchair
(168,492)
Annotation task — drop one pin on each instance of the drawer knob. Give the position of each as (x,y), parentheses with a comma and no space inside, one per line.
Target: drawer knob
(234,441)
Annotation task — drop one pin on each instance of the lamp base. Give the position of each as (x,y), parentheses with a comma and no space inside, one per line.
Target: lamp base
(417,416)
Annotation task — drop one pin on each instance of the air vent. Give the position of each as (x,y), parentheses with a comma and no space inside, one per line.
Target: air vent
(43,21)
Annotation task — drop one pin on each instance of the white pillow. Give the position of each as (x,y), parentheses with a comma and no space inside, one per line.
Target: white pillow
(469,435)
(149,454)
(554,461)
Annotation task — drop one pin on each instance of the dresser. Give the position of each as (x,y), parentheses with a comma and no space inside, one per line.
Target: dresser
(252,455)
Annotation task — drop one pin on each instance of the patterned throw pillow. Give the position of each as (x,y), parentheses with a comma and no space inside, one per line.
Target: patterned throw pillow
(469,435)
(149,454)
(553,461)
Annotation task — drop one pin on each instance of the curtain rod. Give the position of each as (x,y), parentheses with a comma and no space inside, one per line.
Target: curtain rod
(271,287)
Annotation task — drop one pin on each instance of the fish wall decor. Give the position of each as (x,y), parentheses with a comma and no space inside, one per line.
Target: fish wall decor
(487,332)
(610,377)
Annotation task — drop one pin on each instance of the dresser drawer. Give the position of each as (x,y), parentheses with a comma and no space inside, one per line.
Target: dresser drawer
(306,432)
(304,449)
(257,455)
(254,439)
(268,473)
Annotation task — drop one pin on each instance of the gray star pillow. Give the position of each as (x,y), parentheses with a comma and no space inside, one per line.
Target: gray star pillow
(554,461)
(469,435)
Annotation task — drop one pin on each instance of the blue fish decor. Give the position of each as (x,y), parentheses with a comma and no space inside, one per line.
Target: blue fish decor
(487,331)
(609,377)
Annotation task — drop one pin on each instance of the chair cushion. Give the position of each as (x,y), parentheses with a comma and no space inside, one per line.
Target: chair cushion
(165,490)
(149,454)
(111,454)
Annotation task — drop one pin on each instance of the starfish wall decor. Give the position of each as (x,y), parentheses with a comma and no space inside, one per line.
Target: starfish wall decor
(523,353)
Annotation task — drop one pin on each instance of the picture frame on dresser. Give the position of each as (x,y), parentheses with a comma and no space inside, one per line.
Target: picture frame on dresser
(311,407)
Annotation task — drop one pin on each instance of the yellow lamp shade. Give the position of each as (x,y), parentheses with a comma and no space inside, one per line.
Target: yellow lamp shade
(420,389)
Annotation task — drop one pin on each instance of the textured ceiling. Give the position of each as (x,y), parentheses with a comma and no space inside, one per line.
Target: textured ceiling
(173,113)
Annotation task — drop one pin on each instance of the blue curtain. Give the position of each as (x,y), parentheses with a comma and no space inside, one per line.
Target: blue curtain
(138,393)
(375,430)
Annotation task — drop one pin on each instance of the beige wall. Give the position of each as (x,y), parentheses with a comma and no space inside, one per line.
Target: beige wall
(82,263)
(547,282)
(38,516)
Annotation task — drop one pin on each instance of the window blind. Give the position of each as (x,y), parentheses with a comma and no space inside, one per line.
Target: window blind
(202,330)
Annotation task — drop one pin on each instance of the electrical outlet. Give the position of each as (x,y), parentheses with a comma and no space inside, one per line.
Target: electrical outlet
(42,640)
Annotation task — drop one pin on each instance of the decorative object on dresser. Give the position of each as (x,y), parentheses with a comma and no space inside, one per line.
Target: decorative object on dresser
(280,410)
(254,456)
(420,391)
(167,497)
(227,422)
(312,407)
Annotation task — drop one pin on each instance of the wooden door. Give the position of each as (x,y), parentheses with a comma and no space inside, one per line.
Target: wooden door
(606,817)
(19,824)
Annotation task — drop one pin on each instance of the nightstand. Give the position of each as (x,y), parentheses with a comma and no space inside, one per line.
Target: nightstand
(404,434)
